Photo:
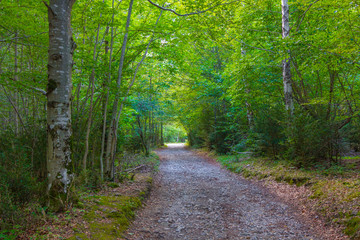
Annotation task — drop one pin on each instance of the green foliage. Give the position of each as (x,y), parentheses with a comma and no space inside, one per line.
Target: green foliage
(118,210)
(132,143)
(351,135)
(267,135)
(311,139)
(174,133)
(216,76)
(88,179)
(353,227)
(21,186)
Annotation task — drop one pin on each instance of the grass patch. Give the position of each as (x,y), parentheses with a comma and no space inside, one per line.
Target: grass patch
(109,216)
(108,213)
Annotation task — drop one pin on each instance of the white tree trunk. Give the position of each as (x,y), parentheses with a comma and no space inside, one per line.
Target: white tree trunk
(61,47)
(288,92)
(249,112)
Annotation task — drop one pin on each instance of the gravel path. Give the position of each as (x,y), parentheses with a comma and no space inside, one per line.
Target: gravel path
(196,199)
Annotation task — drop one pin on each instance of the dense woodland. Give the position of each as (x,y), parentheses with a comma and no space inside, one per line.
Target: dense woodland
(86,84)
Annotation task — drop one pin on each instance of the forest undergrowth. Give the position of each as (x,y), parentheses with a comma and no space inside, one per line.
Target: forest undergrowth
(99,210)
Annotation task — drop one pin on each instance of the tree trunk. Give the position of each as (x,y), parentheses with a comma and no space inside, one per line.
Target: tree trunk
(92,83)
(113,124)
(61,48)
(288,92)
(103,137)
(249,112)
(16,78)
(162,143)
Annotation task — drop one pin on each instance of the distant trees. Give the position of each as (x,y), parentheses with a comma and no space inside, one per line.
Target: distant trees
(312,75)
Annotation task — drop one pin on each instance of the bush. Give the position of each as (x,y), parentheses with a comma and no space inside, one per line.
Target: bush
(351,133)
(17,190)
(194,139)
(88,179)
(132,143)
(311,139)
(218,139)
(22,174)
(268,133)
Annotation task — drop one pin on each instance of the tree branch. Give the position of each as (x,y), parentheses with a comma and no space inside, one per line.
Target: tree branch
(258,48)
(193,13)
(301,18)
(14,107)
(49,8)
(137,69)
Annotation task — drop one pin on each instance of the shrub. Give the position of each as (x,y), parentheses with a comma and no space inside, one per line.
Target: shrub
(311,139)
(268,132)
(22,174)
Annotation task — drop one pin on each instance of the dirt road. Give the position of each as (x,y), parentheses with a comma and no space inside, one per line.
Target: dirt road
(196,199)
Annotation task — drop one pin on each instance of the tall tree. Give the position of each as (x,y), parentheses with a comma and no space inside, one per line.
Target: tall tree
(61,48)
(288,92)
(113,125)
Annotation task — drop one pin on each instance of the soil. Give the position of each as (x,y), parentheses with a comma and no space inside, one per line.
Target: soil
(194,198)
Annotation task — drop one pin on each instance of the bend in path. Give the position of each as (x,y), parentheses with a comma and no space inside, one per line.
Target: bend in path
(195,199)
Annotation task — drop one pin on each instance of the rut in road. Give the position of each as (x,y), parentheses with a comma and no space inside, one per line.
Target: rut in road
(195,199)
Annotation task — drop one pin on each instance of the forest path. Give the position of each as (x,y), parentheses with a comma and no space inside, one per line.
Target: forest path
(194,198)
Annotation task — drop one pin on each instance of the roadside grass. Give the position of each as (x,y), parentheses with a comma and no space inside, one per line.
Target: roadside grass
(335,188)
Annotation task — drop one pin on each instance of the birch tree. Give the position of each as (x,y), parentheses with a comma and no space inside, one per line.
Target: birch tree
(288,92)
(61,48)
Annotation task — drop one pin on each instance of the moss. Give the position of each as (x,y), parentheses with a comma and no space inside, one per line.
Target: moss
(144,194)
(295,180)
(113,185)
(90,215)
(318,190)
(149,180)
(57,199)
(79,204)
(352,196)
(353,227)
(278,178)
(263,175)
(118,210)
(317,194)
(79,236)
(102,231)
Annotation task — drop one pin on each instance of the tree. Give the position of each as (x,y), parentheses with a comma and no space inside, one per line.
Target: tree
(110,149)
(288,92)
(61,48)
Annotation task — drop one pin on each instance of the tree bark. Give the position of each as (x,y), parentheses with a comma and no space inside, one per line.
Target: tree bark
(113,124)
(162,143)
(112,138)
(92,83)
(288,92)
(249,112)
(16,78)
(61,48)
(103,137)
